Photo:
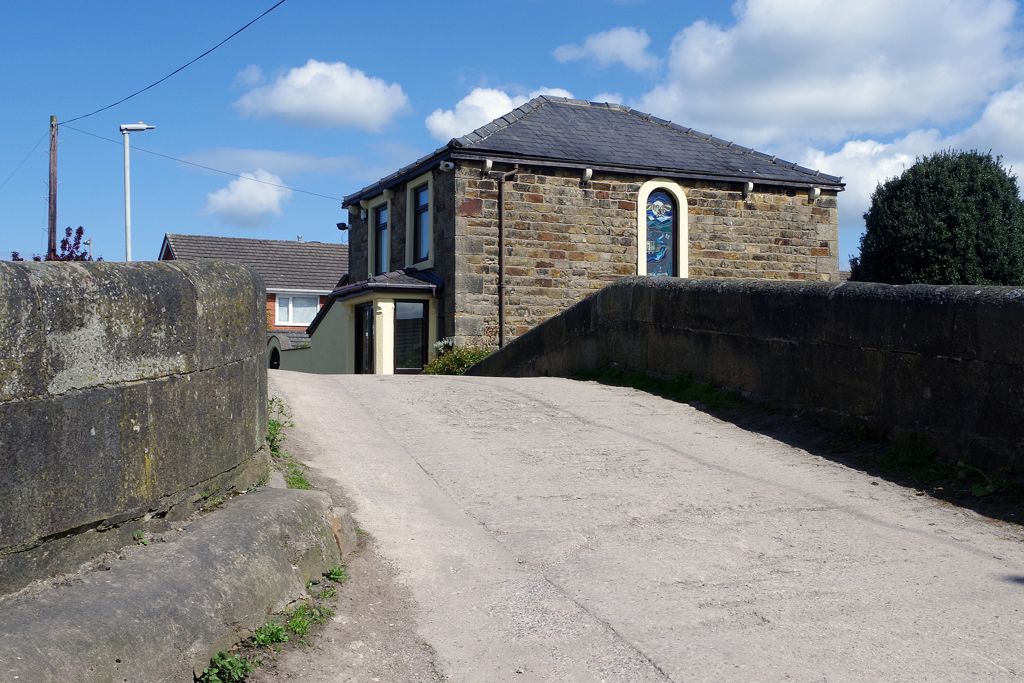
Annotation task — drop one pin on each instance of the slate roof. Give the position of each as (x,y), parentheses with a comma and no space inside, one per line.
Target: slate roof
(282,264)
(405,280)
(610,137)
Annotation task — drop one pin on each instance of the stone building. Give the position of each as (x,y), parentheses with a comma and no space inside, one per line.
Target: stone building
(507,226)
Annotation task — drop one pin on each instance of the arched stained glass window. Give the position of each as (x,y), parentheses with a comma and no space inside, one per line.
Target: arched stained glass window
(662,232)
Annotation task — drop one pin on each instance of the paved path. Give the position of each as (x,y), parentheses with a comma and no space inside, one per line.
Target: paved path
(546,529)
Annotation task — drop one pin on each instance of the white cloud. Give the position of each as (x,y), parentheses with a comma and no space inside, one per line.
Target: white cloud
(274,161)
(328,94)
(478,108)
(823,71)
(865,163)
(623,45)
(247,203)
(1000,129)
(249,77)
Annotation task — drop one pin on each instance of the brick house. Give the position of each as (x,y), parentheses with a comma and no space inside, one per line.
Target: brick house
(509,225)
(299,277)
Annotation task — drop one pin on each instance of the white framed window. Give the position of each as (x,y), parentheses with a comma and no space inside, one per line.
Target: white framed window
(296,309)
(662,229)
(419,221)
(378,234)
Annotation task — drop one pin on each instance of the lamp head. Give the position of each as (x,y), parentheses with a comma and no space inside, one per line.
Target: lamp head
(136,127)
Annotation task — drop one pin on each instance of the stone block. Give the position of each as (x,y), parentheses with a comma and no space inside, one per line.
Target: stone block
(134,387)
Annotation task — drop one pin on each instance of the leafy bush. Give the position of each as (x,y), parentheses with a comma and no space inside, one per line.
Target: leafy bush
(952,218)
(454,360)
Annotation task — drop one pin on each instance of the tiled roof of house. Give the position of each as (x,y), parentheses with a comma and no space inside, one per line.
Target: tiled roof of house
(405,280)
(408,278)
(282,264)
(615,137)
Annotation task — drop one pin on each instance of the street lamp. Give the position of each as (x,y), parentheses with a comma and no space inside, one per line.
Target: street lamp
(126,129)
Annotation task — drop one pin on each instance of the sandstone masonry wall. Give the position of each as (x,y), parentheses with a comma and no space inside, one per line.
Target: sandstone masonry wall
(935,361)
(129,394)
(565,240)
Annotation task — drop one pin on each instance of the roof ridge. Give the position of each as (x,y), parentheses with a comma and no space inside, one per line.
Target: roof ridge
(504,121)
(170,235)
(524,110)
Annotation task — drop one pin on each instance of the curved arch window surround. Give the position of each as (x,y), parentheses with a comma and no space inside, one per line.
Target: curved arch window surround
(662,229)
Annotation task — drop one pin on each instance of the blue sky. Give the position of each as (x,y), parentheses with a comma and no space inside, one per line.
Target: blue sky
(326,97)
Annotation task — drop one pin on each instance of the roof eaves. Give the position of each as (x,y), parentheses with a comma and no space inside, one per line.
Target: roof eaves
(823,180)
(415,168)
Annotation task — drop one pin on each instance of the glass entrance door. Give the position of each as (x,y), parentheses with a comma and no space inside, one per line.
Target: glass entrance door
(410,336)
(364,339)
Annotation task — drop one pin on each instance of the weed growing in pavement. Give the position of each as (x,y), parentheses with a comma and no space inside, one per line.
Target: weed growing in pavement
(338,573)
(140,538)
(300,620)
(271,633)
(279,419)
(295,476)
(226,668)
(914,457)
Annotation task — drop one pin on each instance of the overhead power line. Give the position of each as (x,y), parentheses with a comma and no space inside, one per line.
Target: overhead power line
(22,162)
(202,166)
(179,69)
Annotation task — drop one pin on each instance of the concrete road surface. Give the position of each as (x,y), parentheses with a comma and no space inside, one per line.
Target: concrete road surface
(554,530)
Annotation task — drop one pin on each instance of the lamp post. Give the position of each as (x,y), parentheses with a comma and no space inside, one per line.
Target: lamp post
(126,129)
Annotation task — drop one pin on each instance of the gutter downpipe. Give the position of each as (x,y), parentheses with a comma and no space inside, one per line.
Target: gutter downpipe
(501,253)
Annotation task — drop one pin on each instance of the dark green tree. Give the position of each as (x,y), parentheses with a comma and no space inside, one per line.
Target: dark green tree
(954,217)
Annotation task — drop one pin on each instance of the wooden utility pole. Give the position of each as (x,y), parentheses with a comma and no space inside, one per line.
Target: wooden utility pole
(51,247)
